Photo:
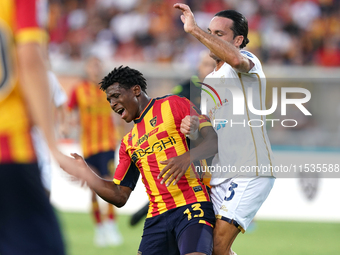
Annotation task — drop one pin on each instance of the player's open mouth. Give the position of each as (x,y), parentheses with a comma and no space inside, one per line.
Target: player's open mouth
(121,112)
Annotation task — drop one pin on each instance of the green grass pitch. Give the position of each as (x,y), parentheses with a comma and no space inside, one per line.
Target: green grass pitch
(267,238)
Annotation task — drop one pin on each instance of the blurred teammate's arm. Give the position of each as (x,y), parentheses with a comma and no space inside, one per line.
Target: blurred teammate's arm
(30,41)
(34,84)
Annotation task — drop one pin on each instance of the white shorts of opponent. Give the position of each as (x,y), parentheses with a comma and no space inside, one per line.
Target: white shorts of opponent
(237,200)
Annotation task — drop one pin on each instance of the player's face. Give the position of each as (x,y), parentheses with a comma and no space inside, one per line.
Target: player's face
(221,27)
(124,101)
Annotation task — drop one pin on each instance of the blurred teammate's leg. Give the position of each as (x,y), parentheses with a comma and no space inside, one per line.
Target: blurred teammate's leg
(107,169)
(99,235)
(27,221)
(106,229)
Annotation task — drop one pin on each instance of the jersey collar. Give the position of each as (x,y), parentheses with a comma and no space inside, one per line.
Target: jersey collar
(145,111)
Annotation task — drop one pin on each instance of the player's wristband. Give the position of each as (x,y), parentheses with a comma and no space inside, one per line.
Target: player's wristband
(193,136)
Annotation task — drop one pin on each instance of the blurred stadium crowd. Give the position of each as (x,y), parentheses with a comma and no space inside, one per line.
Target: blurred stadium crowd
(286,32)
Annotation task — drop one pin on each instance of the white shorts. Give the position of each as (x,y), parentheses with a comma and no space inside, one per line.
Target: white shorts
(237,200)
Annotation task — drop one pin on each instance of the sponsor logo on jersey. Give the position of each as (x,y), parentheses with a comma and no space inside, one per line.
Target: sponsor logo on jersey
(224,208)
(197,188)
(156,147)
(132,137)
(145,137)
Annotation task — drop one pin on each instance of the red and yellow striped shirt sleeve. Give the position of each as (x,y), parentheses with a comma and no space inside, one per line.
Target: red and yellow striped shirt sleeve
(29,17)
(126,173)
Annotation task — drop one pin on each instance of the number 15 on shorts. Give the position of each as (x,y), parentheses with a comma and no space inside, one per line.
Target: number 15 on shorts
(231,191)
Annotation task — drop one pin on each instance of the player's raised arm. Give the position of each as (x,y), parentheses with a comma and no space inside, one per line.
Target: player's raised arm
(223,44)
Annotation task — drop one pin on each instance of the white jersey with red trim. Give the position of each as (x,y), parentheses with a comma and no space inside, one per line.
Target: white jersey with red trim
(227,98)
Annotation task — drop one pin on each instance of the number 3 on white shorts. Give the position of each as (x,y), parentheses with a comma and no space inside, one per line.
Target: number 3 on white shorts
(232,191)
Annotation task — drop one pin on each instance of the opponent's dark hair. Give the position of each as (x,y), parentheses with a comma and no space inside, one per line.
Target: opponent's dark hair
(126,77)
(240,24)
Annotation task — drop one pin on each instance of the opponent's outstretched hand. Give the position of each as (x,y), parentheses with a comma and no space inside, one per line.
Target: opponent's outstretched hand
(187,17)
(177,167)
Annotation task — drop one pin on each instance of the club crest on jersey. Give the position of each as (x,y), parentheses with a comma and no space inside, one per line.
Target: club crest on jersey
(153,121)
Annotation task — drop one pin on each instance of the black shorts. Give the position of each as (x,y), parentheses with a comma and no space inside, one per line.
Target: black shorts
(27,222)
(181,230)
(103,162)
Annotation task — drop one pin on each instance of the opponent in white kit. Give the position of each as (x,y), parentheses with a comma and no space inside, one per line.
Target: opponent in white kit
(243,143)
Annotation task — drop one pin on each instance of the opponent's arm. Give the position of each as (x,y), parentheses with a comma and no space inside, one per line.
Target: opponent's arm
(107,190)
(224,50)
(177,166)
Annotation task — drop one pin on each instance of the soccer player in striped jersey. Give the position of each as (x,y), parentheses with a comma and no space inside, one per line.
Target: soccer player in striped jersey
(98,143)
(180,218)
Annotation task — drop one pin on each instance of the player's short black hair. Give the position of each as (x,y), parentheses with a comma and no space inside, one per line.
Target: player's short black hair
(126,77)
(240,24)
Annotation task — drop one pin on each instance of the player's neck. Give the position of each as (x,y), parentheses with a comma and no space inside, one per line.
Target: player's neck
(143,102)
(219,64)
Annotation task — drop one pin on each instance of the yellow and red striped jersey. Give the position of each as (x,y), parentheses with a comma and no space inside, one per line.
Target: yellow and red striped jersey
(20,23)
(156,137)
(98,131)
